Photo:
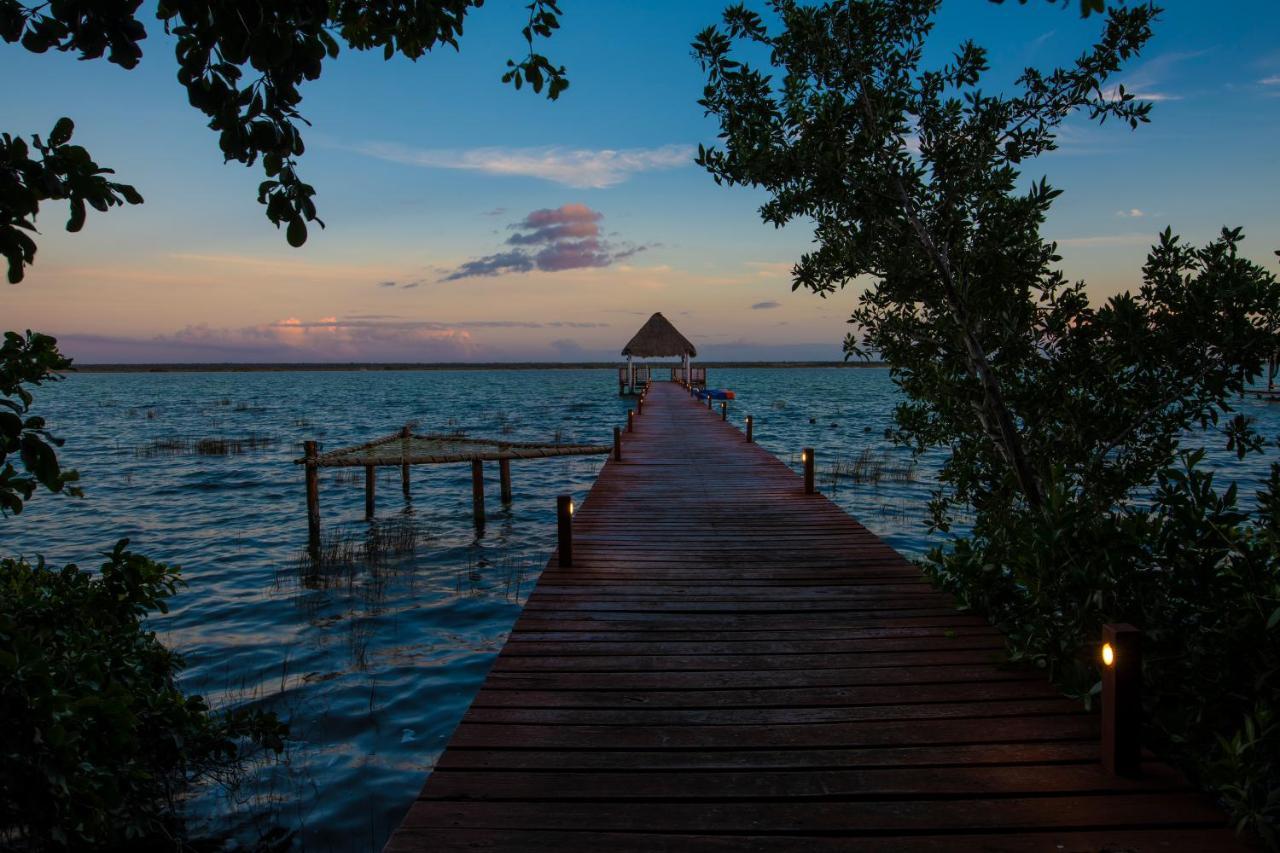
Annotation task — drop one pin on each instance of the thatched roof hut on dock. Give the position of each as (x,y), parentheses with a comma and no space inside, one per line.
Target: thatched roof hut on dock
(657,338)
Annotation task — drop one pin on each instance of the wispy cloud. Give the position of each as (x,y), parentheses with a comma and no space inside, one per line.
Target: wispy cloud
(762,306)
(551,240)
(1131,213)
(1132,239)
(1147,82)
(1273,80)
(581,168)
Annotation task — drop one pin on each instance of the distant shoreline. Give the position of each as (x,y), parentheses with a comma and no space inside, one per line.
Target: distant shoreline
(236,367)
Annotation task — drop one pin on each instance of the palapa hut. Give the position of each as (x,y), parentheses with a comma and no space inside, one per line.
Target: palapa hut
(657,338)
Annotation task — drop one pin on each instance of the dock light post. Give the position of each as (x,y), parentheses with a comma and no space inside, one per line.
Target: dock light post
(640,405)
(564,529)
(724,411)
(617,443)
(1122,699)
(806,456)
(749,429)
(631,421)
(708,402)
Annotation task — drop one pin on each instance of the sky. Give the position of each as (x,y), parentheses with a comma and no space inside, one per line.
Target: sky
(469,222)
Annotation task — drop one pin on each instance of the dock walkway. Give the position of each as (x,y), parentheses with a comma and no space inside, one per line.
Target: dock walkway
(732,664)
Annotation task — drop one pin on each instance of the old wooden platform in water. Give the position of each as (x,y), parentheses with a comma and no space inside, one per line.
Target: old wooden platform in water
(732,664)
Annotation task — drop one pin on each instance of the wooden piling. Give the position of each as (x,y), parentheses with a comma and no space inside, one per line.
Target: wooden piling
(1122,699)
(477,491)
(313,497)
(405,434)
(564,529)
(504,476)
(806,456)
(370,481)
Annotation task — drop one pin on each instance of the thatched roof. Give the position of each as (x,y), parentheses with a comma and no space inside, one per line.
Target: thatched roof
(656,338)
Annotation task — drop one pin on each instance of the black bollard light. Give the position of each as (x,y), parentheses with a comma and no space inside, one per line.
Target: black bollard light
(1122,699)
(564,529)
(806,456)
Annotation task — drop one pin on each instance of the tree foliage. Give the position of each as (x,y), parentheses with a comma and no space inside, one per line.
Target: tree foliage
(1063,422)
(28,360)
(243,65)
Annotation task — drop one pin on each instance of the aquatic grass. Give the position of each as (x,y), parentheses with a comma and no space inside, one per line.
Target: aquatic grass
(343,554)
(176,446)
(873,466)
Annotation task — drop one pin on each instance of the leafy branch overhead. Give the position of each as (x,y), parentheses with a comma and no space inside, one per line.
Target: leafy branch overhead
(242,64)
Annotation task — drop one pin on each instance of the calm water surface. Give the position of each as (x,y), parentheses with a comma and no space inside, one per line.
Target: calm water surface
(374,667)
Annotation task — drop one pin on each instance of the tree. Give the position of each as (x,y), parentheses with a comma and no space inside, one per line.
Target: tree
(1063,422)
(242,64)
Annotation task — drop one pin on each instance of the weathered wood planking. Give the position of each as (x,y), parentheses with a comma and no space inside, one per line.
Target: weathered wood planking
(733,665)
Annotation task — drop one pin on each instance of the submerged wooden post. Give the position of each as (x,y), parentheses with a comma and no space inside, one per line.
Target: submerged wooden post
(631,420)
(617,443)
(477,491)
(724,411)
(1122,699)
(749,439)
(313,497)
(405,434)
(806,456)
(370,481)
(504,476)
(564,529)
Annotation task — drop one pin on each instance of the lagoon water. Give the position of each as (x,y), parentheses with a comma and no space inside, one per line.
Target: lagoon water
(374,668)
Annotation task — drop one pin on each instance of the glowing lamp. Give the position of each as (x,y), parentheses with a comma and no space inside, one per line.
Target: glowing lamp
(1108,655)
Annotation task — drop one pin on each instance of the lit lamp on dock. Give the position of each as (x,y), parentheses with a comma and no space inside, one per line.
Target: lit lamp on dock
(748,429)
(724,411)
(564,529)
(806,456)
(631,420)
(1122,699)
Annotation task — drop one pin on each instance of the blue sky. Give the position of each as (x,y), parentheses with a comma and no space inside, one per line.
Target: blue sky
(425,167)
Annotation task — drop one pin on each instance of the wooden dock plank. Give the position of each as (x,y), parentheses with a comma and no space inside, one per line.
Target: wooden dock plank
(731,664)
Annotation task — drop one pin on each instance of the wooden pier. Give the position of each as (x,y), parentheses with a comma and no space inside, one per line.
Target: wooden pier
(732,664)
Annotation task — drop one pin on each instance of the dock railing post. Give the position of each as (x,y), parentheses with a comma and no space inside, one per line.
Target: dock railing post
(724,411)
(709,403)
(313,497)
(640,405)
(405,434)
(564,530)
(370,483)
(504,477)
(631,420)
(477,491)
(617,443)
(749,439)
(806,456)
(1122,699)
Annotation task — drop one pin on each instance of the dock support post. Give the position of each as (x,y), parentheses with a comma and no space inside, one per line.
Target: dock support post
(749,438)
(370,482)
(640,405)
(631,420)
(1122,699)
(806,456)
(617,443)
(477,491)
(313,498)
(724,411)
(709,403)
(405,434)
(564,529)
(504,476)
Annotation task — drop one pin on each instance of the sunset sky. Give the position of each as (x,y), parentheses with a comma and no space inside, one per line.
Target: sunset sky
(457,209)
